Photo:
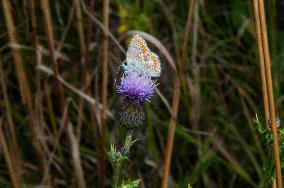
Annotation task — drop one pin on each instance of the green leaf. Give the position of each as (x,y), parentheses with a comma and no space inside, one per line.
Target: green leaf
(130,184)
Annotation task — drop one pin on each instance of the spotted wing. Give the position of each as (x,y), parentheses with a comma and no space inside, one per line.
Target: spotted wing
(136,49)
(141,59)
(154,64)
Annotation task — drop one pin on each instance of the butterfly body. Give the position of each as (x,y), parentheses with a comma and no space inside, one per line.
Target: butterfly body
(140,59)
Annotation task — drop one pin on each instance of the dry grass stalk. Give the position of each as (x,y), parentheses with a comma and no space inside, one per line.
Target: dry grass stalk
(261,61)
(23,83)
(90,27)
(80,31)
(104,93)
(59,88)
(37,57)
(270,91)
(66,29)
(88,98)
(171,134)
(102,26)
(194,83)
(39,117)
(171,19)
(83,52)
(176,98)
(13,137)
(85,74)
(186,38)
(260,20)
(8,158)
(92,108)
(56,140)
(76,157)
(51,46)
(51,114)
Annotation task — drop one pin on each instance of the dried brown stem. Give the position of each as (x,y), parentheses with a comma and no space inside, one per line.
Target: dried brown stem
(262,41)
(8,159)
(270,91)
(89,28)
(50,109)
(83,60)
(171,133)
(23,84)
(104,93)
(76,157)
(92,108)
(102,26)
(176,98)
(66,29)
(186,38)
(51,46)
(22,78)
(88,98)
(15,148)
(39,117)
(261,61)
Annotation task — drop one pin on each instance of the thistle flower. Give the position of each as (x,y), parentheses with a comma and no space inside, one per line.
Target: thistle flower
(137,88)
(131,115)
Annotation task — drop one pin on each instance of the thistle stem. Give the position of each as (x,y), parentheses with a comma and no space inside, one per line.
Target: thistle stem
(127,144)
(116,174)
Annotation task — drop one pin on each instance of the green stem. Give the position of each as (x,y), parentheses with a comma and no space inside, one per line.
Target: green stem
(127,144)
(116,174)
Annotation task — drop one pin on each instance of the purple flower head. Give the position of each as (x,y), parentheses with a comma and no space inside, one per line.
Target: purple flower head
(137,88)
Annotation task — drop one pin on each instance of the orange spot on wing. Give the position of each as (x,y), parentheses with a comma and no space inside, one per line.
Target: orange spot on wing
(155,63)
(147,54)
(141,44)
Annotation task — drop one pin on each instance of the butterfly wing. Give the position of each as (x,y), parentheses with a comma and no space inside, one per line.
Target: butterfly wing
(154,64)
(135,59)
(140,59)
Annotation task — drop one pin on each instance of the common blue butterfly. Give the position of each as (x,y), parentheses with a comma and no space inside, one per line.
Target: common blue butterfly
(140,59)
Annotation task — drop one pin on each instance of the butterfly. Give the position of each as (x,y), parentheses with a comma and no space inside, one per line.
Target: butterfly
(140,59)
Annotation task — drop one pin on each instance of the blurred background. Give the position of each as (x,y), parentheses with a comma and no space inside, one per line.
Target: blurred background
(58,104)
